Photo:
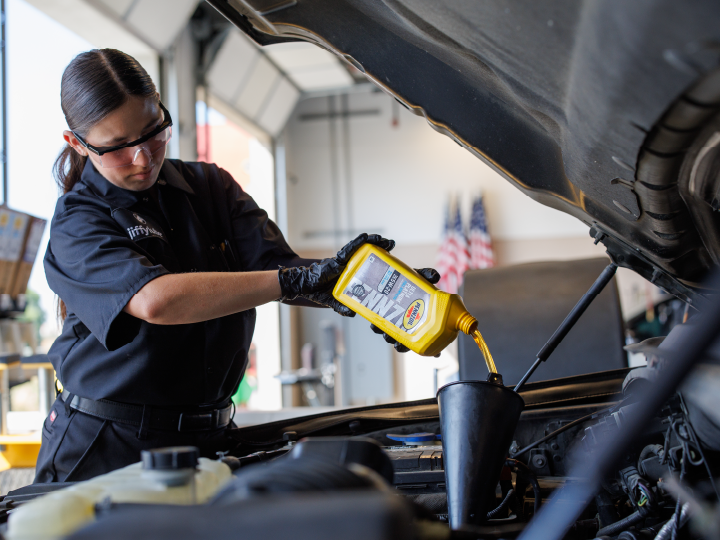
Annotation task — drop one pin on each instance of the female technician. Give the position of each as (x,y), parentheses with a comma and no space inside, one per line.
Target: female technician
(158,265)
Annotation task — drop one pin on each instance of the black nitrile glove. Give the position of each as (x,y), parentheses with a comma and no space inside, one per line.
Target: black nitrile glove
(432,276)
(316,282)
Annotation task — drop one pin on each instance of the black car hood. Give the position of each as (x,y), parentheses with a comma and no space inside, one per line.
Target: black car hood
(591,390)
(594,108)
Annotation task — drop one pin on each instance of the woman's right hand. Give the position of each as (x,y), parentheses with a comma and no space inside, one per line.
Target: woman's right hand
(316,282)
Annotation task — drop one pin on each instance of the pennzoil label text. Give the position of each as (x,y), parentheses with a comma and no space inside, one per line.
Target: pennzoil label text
(386,292)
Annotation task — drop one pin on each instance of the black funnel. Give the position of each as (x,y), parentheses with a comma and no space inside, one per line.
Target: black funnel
(478,420)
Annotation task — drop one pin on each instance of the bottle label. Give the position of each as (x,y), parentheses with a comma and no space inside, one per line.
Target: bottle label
(386,292)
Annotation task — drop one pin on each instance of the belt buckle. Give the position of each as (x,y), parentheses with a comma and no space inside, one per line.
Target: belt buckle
(201,421)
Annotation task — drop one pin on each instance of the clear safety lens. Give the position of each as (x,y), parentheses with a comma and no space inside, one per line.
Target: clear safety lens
(131,154)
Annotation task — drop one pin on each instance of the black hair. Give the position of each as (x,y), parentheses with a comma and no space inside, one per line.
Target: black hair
(95,84)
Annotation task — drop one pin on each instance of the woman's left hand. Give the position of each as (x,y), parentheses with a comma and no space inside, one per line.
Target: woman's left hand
(315,282)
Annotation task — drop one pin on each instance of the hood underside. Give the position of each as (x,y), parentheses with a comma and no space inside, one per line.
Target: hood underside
(608,111)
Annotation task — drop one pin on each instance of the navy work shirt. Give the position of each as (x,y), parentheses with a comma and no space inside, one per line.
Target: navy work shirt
(107,242)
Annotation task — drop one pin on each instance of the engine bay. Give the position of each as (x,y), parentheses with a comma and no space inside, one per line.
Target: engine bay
(381,472)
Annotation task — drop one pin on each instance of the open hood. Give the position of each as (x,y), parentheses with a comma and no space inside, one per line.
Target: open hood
(609,111)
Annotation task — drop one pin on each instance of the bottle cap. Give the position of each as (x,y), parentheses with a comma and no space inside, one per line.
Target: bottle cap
(171,458)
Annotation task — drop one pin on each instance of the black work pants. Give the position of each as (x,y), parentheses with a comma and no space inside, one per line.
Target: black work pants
(77,446)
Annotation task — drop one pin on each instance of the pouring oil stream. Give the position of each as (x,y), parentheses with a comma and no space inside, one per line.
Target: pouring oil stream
(489,362)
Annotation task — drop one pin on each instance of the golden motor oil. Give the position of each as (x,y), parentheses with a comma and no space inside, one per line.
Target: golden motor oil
(404,305)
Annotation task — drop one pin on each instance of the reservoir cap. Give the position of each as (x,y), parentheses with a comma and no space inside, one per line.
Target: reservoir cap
(171,458)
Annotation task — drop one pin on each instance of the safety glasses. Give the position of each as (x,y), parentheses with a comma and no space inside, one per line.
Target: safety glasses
(112,157)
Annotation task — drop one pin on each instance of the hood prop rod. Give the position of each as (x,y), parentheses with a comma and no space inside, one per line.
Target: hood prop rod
(572,317)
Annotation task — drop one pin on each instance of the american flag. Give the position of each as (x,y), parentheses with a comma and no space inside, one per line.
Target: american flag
(454,256)
(481,252)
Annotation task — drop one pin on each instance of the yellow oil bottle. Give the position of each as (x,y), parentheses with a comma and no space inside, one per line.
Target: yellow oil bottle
(395,298)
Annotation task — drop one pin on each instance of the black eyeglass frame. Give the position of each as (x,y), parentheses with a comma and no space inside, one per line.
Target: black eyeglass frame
(100,150)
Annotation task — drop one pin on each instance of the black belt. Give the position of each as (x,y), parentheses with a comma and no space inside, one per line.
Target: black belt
(150,417)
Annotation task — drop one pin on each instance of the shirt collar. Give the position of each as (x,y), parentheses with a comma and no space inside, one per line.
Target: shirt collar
(125,198)
(172,176)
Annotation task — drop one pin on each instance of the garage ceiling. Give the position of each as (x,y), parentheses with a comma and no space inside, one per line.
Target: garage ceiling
(157,21)
(265,84)
(309,66)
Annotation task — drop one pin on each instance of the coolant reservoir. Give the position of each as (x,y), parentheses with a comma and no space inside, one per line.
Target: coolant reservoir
(166,476)
(395,298)
(51,516)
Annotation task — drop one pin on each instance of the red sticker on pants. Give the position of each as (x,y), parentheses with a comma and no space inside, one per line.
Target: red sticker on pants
(53,416)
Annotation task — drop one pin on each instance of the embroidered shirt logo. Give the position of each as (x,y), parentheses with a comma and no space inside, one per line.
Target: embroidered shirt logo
(141,231)
(53,416)
(136,226)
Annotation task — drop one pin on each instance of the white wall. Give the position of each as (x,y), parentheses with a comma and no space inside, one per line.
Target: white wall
(400,180)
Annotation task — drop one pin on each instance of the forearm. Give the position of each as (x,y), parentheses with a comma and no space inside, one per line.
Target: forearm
(197,297)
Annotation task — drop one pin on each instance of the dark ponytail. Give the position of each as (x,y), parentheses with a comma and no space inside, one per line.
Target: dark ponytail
(68,168)
(93,85)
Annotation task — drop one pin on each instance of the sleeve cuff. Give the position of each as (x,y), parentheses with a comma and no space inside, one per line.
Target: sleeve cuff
(122,327)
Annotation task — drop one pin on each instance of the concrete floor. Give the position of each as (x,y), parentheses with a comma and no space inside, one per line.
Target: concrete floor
(15,478)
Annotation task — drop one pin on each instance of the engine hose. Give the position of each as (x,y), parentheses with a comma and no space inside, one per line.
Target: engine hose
(607,513)
(625,523)
(530,477)
(668,529)
(650,450)
(503,505)
(525,472)
(536,492)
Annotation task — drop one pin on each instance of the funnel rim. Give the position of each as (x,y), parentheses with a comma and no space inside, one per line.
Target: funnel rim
(484,383)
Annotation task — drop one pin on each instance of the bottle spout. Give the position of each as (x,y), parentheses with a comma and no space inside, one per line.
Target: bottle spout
(467,324)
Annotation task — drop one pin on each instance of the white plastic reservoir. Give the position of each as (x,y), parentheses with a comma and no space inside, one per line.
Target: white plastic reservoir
(62,512)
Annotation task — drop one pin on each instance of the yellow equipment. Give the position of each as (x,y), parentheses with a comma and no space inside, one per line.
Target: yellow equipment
(21,450)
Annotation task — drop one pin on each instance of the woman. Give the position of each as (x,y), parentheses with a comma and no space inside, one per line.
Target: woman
(158,265)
